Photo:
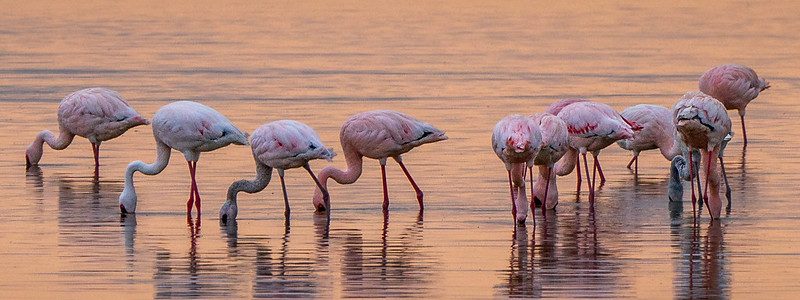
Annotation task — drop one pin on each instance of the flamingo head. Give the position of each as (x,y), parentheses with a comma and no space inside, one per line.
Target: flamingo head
(138,120)
(321,200)
(679,172)
(228,212)
(517,143)
(32,155)
(127,200)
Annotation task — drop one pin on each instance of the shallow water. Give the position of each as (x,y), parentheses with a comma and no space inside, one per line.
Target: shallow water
(460,66)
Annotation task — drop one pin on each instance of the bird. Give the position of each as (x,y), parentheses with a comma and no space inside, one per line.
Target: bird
(703,124)
(592,126)
(555,143)
(281,145)
(97,114)
(679,170)
(190,128)
(377,134)
(657,132)
(516,140)
(735,86)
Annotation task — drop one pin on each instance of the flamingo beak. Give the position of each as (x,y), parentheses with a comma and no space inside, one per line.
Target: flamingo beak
(122,209)
(27,162)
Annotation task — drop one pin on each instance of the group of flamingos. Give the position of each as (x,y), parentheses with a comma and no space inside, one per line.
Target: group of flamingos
(552,141)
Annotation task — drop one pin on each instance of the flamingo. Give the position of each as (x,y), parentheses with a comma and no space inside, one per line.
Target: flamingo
(679,170)
(592,126)
(377,134)
(733,85)
(190,128)
(281,145)
(658,132)
(703,123)
(98,114)
(555,142)
(516,140)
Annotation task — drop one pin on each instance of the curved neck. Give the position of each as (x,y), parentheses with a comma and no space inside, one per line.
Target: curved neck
(162,158)
(565,165)
(354,168)
(63,140)
(672,149)
(263,176)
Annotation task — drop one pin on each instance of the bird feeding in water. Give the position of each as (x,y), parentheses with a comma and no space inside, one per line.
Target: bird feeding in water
(516,140)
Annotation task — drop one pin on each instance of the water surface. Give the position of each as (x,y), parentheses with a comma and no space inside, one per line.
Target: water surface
(460,66)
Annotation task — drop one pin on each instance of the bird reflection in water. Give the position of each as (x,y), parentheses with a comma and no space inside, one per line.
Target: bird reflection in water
(521,281)
(397,266)
(701,269)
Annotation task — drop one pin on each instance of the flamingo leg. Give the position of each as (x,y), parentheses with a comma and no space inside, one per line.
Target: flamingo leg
(533,198)
(96,152)
(385,187)
(190,203)
(286,210)
(595,166)
(511,188)
(691,180)
(708,174)
(588,182)
(599,170)
(578,166)
(725,177)
(744,132)
(196,189)
(631,162)
(636,173)
(325,195)
(411,180)
(546,188)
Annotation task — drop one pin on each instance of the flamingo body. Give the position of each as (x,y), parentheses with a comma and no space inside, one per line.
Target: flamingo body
(281,145)
(733,85)
(703,123)
(516,140)
(97,114)
(377,134)
(555,143)
(657,131)
(190,128)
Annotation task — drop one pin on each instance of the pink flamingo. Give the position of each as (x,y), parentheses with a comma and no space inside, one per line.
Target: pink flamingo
(657,132)
(592,126)
(703,123)
(377,134)
(733,85)
(516,140)
(98,114)
(281,145)
(555,143)
(190,128)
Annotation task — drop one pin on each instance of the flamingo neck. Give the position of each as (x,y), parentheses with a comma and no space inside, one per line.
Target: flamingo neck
(354,167)
(676,173)
(566,163)
(671,149)
(35,150)
(263,176)
(162,158)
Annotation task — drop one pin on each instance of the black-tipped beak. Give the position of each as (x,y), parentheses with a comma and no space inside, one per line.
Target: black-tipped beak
(122,209)
(224,219)
(27,162)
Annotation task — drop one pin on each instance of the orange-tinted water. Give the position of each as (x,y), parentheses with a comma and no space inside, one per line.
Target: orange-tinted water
(460,66)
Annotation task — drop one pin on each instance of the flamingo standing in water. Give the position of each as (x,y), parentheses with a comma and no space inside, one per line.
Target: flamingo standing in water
(281,145)
(657,132)
(377,134)
(190,128)
(98,114)
(592,126)
(703,123)
(555,143)
(516,140)
(733,85)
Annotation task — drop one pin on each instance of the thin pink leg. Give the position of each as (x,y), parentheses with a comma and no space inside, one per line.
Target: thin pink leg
(599,170)
(744,132)
(588,182)
(196,189)
(513,204)
(325,196)
(691,179)
(631,162)
(533,198)
(546,188)
(413,183)
(595,167)
(385,188)
(708,173)
(96,152)
(637,167)
(578,166)
(190,203)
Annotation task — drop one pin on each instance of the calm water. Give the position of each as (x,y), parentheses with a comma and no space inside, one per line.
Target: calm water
(459,66)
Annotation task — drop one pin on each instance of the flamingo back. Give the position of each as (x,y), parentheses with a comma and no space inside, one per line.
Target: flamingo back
(383,133)
(287,144)
(555,139)
(657,128)
(516,139)
(98,114)
(594,120)
(556,107)
(701,120)
(191,127)
(733,85)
